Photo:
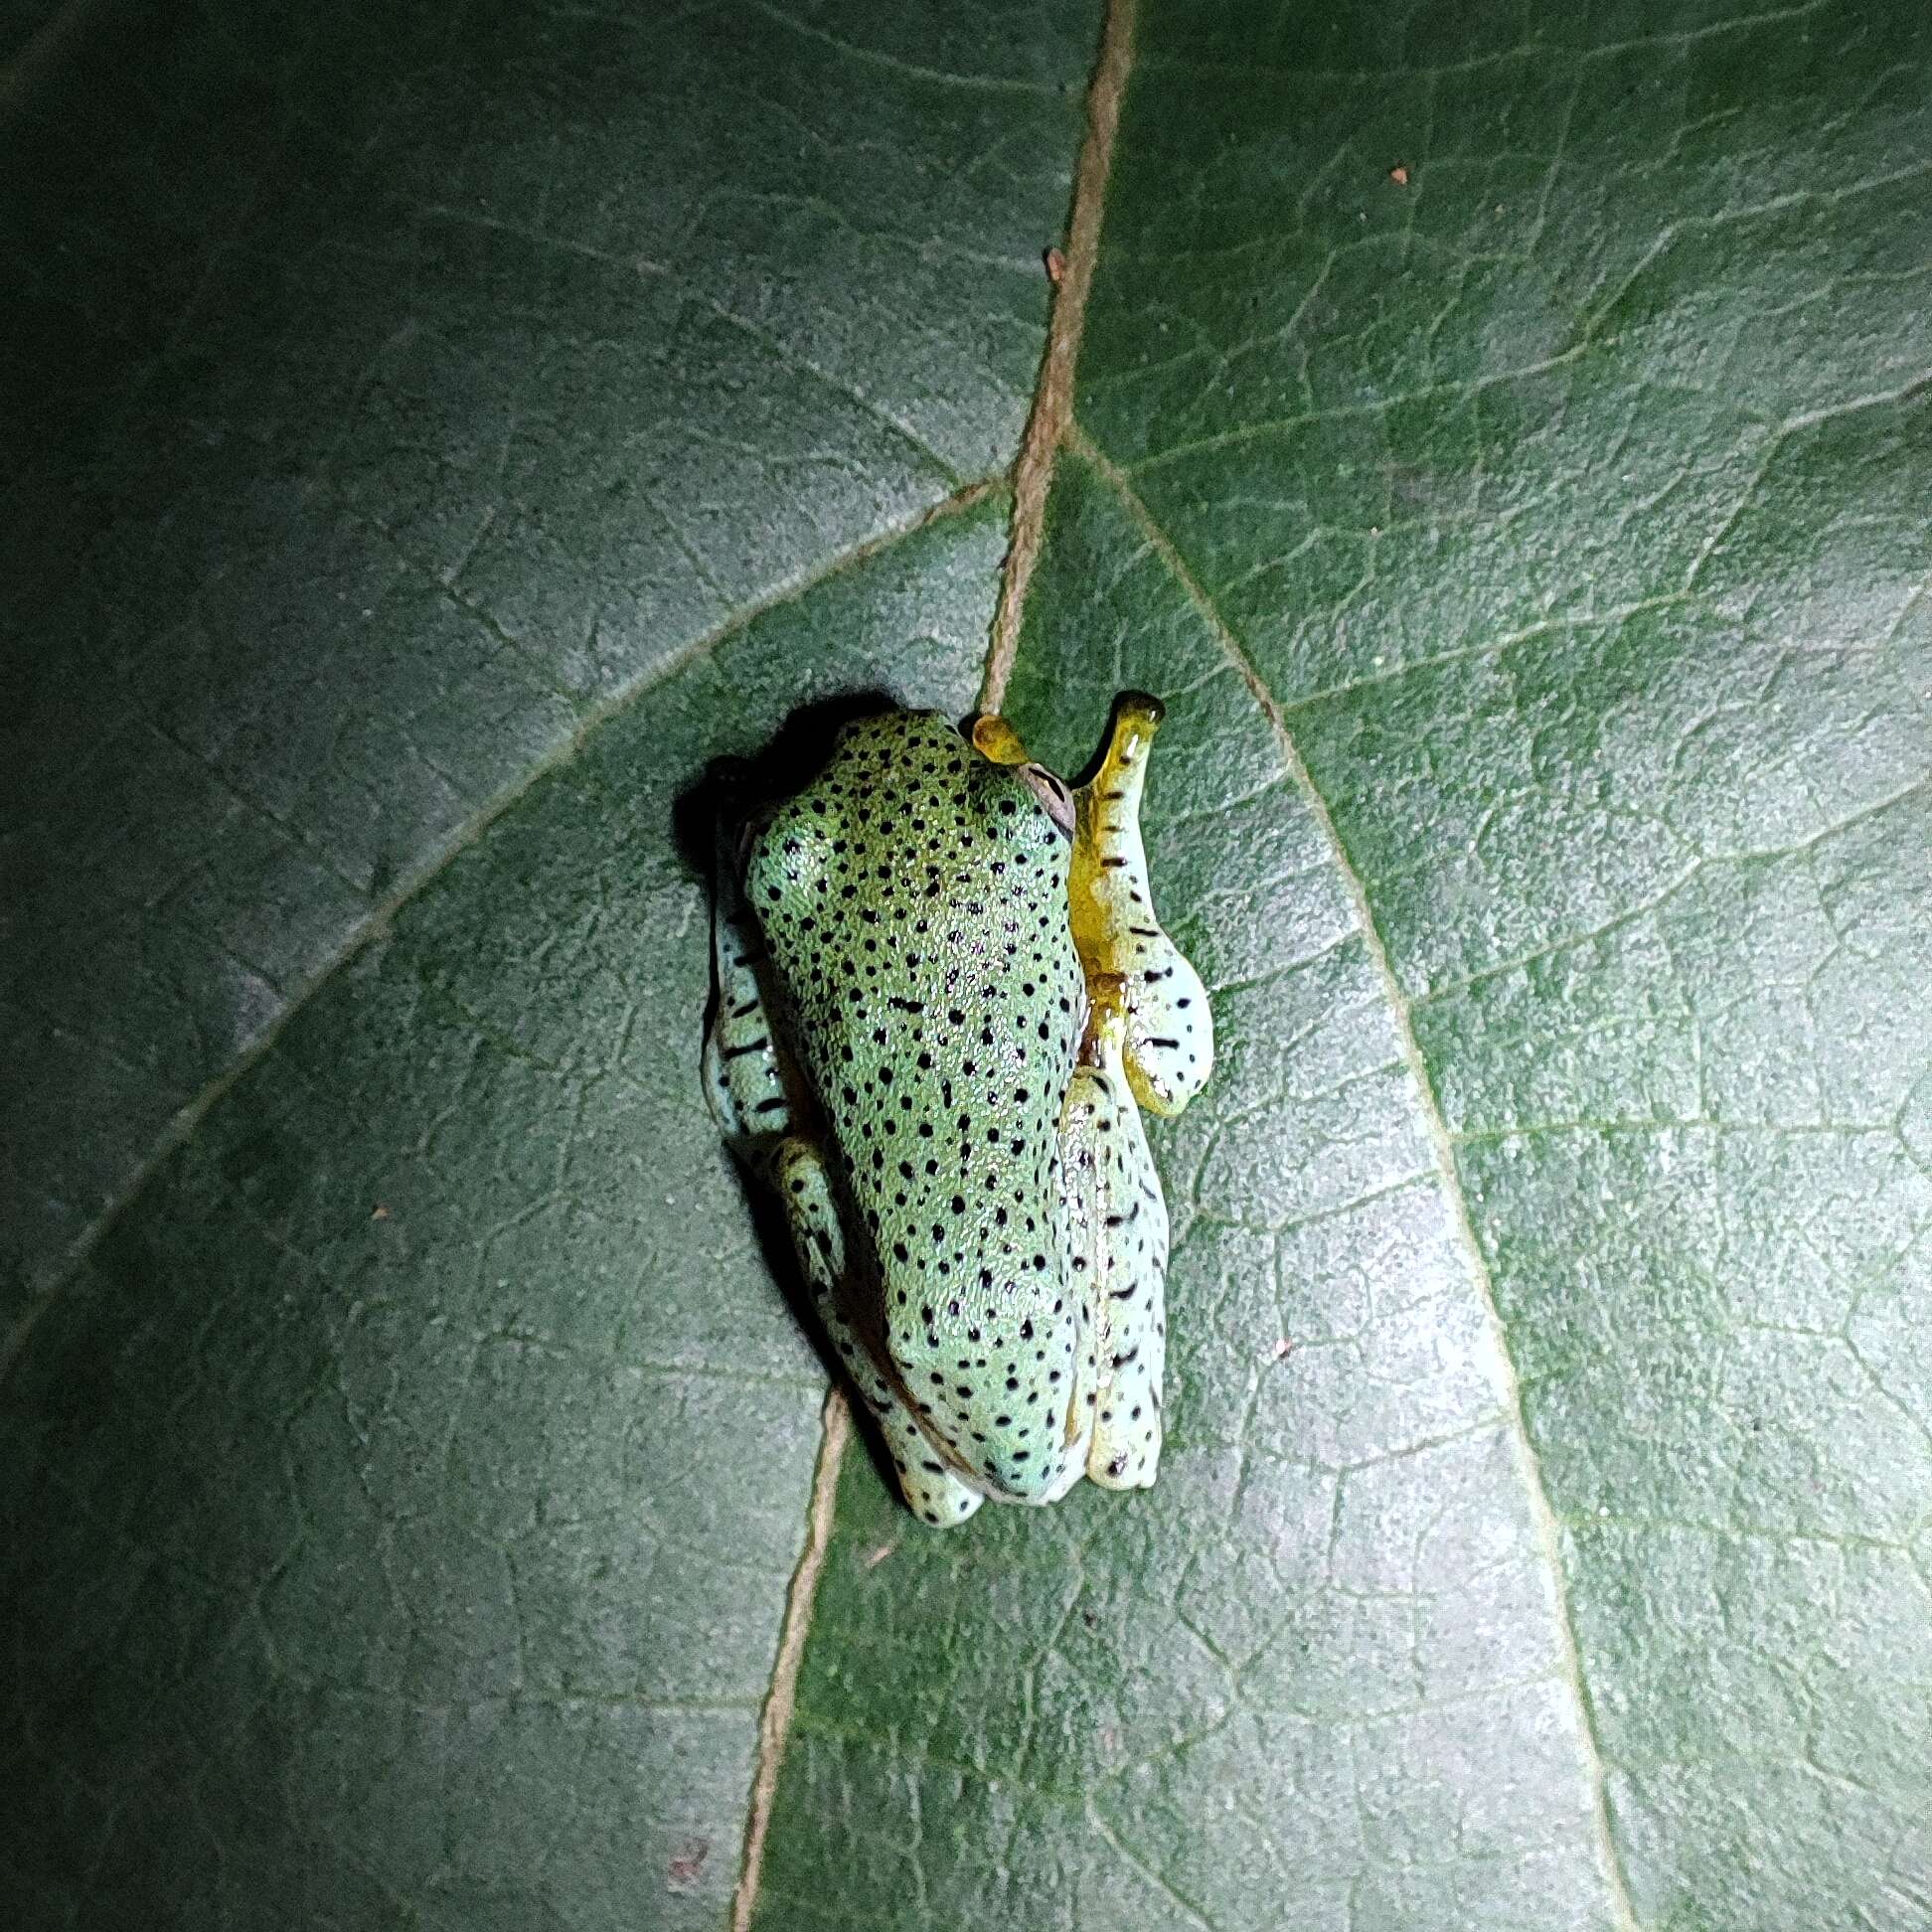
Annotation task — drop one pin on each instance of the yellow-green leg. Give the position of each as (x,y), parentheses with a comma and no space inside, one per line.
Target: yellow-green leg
(1169,1048)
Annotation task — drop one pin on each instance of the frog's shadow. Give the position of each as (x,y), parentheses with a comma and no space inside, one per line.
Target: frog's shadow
(732,793)
(735,789)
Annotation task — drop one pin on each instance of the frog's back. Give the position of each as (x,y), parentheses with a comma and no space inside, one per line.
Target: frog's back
(914,900)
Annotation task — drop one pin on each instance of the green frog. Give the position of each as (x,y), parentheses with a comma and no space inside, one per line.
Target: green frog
(942,1000)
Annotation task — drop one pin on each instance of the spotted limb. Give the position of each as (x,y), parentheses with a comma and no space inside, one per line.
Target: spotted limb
(1169,1045)
(1120,1224)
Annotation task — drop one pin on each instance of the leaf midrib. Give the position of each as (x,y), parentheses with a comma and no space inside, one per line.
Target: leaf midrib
(1049,420)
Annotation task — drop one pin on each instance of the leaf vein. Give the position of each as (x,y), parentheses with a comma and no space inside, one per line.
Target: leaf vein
(380,918)
(1436,1131)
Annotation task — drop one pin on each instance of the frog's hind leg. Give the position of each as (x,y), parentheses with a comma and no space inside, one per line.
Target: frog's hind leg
(758,1099)
(1127,1237)
(932,1490)
(752,1091)
(1170,1043)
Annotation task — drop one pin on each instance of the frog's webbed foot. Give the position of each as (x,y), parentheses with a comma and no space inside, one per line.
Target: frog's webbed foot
(1168,1050)
(932,1490)
(1123,1226)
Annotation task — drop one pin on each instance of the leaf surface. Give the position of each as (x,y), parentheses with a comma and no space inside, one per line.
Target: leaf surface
(412,1480)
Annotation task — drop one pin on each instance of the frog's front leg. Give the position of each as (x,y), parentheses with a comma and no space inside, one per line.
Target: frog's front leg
(1121,1226)
(756,1097)
(1169,1048)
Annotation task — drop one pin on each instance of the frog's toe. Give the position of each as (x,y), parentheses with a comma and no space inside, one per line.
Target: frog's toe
(1170,1036)
(933,1492)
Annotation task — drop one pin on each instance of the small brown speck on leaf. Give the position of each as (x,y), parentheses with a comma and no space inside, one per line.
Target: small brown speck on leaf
(682,1870)
(874,1557)
(379,1213)
(1283,1349)
(1398,175)
(1055,266)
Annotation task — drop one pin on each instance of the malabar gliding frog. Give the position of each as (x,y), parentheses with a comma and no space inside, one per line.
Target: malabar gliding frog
(942,992)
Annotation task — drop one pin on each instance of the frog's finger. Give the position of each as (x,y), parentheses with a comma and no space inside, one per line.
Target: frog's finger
(744,1071)
(1169,1044)
(1128,1237)
(932,1490)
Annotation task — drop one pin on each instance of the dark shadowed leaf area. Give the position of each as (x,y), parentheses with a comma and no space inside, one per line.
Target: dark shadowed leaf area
(1503,437)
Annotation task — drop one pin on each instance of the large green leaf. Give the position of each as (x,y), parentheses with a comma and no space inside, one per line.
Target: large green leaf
(393,405)
(439,439)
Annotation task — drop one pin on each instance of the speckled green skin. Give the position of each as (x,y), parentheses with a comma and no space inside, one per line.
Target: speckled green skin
(908,1045)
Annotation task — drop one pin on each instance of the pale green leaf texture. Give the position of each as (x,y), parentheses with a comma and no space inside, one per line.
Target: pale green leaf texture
(441,434)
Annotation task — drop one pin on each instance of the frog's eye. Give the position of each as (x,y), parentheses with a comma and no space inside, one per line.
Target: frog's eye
(1057,800)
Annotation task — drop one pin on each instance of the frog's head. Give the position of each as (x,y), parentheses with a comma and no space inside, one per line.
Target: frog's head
(909,793)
